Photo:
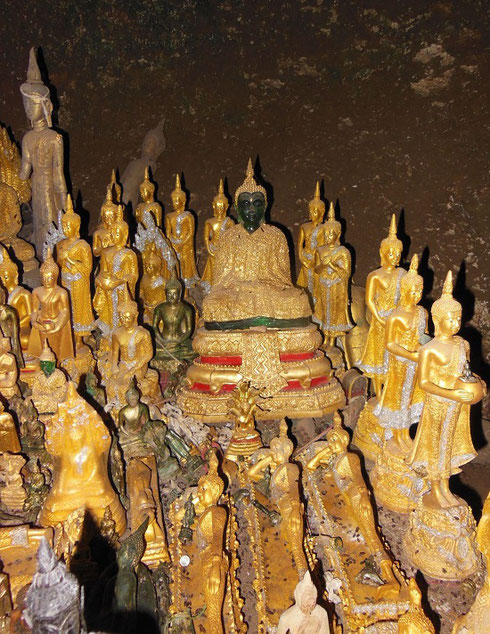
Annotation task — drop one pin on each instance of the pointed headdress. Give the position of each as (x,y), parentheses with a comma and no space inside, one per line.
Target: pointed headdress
(250,185)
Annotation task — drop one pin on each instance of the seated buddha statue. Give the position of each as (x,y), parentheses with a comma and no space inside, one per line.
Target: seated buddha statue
(18,297)
(251,283)
(257,324)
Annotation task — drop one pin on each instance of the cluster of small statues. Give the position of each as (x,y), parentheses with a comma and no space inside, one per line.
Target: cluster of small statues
(131,393)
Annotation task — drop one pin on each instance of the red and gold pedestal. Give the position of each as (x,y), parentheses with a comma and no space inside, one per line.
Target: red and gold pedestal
(286,365)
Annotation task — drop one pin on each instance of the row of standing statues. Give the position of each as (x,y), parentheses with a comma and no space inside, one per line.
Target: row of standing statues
(137,398)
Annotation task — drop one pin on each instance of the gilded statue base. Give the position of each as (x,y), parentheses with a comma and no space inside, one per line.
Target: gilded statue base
(286,365)
(243,447)
(368,434)
(396,485)
(441,542)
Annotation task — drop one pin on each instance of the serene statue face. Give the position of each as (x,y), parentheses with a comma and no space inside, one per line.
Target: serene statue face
(449,324)
(251,210)
(219,210)
(412,294)
(127,318)
(70,227)
(48,279)
(34,109)
(173,295)
(146,194)
(331,236)
(119,234)
(132,397)
(108,217)
(390,256)
(9,277)
(178,202)
(47,367)
(316,213)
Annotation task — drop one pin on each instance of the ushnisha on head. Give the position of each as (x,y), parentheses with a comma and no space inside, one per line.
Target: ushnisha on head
(178,195)
(446,311)
(332,228)
(220,201)
(70,221)
(147,188)
(115,186)
(412,284)
(173,289)
(49,271)
(9,272)
(35,93)
(251,201)
(110,211)
(391,247)
(316,206)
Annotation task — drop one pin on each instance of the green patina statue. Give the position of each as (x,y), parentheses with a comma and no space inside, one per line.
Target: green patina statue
(173,324)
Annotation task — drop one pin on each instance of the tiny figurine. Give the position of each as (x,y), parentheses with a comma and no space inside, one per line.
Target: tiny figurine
(346,470)
(116,281)
(148,202)
(284,486)
(305,616)
(440,540)
(108,529)
(214,228)
(332,270)
(210,532)
(382,297)
(53,602)
(477,620)
(311,236)
(245,439)
(79,440)
(12,491)
(92,389)
(132,350)
(50,317)
(173,324)
(49,383)
(152,284)
(180,230)
(74,256)
(9,372)
(9,326)
(109,213)
(9,438)
(19,297)
(153,145)
(37,490)
(42,154)
(414,620)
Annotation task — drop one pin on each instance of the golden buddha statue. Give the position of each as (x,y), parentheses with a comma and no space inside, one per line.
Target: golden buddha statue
(442,523)
(400,403)
(180,229)
(414,620)
(284,486)
(11,225)
(147,195)
(477,620)
(109,214)
(9,438)
(382,297)
(74,256)
(9,372)
(332,270)
(42,154)
(18,297)
(132,350)
(12,491)
(245,438)
(9,327)
(10,164)
(345,467)
(311,236)
(257,325)
(210,531)
(116,281)
(214,229)
(50,317)
(116,187)
(49,383)
(79,442)
(152,284)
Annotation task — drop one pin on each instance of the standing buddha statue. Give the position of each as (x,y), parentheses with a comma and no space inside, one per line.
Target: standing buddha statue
(116,280)
(310,237)
(79,441)
(152,284)
(214,229)
(148,202)
(332,269)
(74,256)
(50,318)
(443,444)
(18,297)
(9,327)
(109,213)
(210,531)
(42,154)
(382,297)
(180,229)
